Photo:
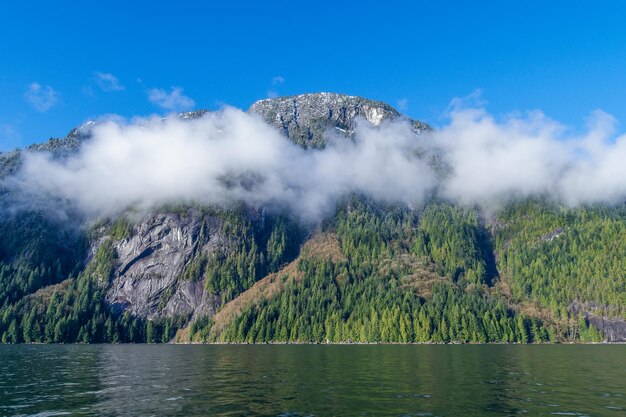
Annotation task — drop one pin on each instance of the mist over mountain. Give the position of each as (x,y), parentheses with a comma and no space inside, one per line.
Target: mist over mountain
(304,153)
(317,217)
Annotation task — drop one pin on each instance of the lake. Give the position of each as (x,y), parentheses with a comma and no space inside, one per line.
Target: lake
(313,380)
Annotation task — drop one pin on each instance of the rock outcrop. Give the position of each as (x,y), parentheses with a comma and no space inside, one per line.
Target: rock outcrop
(306,118)
(147,279)
(613,329)
(605,318)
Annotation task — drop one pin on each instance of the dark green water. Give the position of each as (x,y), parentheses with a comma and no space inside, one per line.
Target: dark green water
(373,380)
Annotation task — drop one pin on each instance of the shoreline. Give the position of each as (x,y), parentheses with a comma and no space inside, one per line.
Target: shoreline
(322,344)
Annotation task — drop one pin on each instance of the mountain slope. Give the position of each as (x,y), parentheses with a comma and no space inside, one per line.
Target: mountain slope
(373,272)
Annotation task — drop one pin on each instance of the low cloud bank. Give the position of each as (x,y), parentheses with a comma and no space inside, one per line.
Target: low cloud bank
(231,156)
(494,161)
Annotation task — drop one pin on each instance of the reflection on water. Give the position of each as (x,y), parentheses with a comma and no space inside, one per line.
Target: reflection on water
(374,380)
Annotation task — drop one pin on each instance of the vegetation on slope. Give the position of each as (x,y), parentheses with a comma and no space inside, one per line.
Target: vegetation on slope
(556,256)
(47,295)
(369,295)
(254,250)
(75,311)
(35,252)
(376,273)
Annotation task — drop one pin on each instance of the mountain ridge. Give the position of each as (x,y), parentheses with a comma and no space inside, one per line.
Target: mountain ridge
(396,273)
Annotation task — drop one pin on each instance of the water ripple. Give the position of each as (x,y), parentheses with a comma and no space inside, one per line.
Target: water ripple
(149,380)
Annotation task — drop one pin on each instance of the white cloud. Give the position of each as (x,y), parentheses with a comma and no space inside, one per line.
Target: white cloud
(232,156)
(224,158)
(474,100)
(526,155)
(278,80)
(40,97)
(175,100)
(403,104)
(108,82)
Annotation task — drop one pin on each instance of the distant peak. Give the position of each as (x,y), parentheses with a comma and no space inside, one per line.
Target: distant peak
(304,118)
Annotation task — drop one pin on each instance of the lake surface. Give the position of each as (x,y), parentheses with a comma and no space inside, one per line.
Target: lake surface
(317,380)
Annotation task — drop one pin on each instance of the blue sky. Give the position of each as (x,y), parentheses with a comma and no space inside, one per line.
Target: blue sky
(64,62)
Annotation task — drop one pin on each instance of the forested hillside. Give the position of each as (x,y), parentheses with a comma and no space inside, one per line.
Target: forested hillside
(430,277)
(437,274)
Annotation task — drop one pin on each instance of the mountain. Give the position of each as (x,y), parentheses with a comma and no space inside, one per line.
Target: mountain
(305,118)
(373,272)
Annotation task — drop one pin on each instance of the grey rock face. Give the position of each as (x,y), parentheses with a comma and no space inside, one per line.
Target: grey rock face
(191,115)
(605,318)
(306,118)
(147,277)
(614,330)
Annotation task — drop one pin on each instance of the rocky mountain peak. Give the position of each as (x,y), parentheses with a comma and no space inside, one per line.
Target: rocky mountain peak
(306,117)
